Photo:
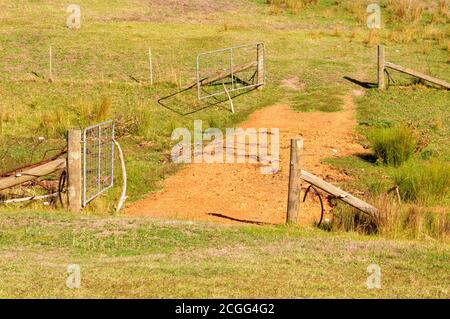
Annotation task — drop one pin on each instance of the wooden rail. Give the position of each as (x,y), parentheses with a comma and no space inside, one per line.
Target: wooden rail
(417,74)
(339,194)
(29,174)
(382,65)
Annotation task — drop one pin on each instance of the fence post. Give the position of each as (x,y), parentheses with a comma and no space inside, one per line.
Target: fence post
(295,170)
(261,67)
(381,83)
(50,63)
(150,66)
(74,170)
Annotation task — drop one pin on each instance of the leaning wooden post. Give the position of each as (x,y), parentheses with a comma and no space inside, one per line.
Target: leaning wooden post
(295,172)
(74,170)
(261,67)
(381,67)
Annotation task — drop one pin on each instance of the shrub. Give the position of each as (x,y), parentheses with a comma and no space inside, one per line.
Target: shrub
(393,146)
(424,182)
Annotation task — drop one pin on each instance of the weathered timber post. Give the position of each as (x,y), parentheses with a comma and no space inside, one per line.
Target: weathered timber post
(381,67)
(74,170)
(261,68)
(295,171)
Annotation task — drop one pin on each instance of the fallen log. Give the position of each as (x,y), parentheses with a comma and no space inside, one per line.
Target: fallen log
(28,174)
(339,194)
(417,74)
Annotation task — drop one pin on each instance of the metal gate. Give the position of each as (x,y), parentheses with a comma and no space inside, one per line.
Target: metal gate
(230,69)
(98,160)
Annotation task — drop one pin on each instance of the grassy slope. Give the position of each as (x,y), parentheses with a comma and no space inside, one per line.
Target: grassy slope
(144,258)
(109,47)
(321,46)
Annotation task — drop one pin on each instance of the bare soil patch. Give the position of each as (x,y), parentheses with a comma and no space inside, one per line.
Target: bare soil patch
(239,193)
(293,83)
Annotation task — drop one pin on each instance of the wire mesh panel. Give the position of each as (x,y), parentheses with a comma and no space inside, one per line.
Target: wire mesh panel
(98,160)
(230,69)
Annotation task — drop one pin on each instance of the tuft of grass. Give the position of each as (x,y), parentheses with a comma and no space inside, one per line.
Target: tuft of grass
(443,8)
(349,219)
(412,221)
(426,183)
(103,109)
(372,38)
(52,124)
(395,220)
(394,145)
(406,11)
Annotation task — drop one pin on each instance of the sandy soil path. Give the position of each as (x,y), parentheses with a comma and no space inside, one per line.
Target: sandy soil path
(233,193)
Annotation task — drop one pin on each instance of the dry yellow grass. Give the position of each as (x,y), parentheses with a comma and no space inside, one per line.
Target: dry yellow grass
(409,11)
(295,6)
(372,38)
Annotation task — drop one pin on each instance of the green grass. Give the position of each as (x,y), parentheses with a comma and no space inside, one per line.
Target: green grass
(424,108)
(90,68)
(94,78)
(321,99)
(425,183)
(144,258)
(425,111)
(405,104)
(393,146)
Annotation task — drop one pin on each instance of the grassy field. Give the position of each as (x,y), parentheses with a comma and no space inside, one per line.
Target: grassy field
(321,46)
(124,257)
(100,72)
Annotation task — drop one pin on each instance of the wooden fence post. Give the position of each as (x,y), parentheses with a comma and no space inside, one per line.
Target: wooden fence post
(50,63)
(261,67)
(295,184)
(74,170)
(381,67)
(150,66)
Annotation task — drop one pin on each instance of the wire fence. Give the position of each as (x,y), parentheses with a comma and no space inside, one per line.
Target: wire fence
(98,160)
(63,63)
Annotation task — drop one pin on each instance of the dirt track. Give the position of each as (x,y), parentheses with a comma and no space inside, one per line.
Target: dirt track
(239,192)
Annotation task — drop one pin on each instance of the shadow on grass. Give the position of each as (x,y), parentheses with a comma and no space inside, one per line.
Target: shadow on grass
(186,106)
(240,220)
(366,85)
(392,83)
(367,157)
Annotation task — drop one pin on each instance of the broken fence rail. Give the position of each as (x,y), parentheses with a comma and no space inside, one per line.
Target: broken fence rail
(34,172)
(340,194)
